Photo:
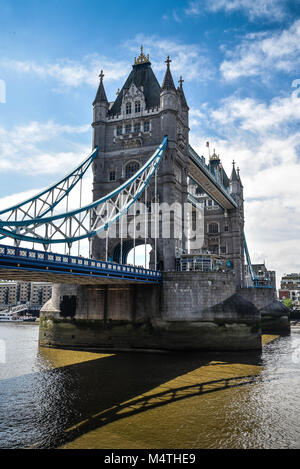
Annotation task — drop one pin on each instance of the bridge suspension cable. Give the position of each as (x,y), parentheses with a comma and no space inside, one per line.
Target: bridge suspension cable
(46,201)
(251,271)
(84,222)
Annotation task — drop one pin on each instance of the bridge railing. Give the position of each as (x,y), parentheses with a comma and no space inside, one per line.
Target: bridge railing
(41,257)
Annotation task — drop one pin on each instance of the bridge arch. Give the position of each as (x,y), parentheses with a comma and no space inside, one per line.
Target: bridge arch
(128,245)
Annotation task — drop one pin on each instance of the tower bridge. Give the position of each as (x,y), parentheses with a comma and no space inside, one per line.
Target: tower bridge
(145,175)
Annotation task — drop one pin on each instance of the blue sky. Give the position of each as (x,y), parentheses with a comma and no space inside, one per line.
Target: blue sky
(239,60)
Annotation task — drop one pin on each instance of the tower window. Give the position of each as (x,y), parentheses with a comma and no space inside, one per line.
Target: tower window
(213,228)
(131,169)
(128,128)
(128,108)
(226,228)
(112,175)
(137,127)
(138,106)
(146,126)
(199,191)
(119,130)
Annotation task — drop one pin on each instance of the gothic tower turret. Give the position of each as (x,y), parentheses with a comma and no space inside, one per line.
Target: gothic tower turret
(237,221)
(127,132)
(100,109)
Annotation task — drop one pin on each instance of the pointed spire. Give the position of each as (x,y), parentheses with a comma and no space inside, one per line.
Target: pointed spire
(233,176)
(101,95)
(168,83)
(181,93)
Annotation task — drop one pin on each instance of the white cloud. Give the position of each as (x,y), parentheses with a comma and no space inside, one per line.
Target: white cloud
(74,73)
(71,73)
(264,54)
(187,59)
(269,9)
(29,149)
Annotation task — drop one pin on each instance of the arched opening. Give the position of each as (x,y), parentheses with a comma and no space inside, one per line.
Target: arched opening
(141,253)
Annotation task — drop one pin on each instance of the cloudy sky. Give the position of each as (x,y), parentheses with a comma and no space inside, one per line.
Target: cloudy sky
(240,60)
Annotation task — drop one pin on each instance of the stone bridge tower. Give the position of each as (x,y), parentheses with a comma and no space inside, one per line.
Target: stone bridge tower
(127,132)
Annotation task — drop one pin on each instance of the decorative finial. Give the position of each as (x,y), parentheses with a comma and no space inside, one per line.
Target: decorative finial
(142,59)
(233,163)
(101,76)
(214,156)
(238,171)
(118,91)
(168,61)
(180,81)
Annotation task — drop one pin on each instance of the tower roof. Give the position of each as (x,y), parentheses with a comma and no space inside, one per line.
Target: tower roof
(101,95)
(143,77)
(233,176)
(181,93)
(168,83)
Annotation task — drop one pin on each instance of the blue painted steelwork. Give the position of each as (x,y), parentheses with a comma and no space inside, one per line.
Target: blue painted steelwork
(252,273)
(255,279)
(83,166)
(147,169)
(45,201)
(194,201)
(47,262)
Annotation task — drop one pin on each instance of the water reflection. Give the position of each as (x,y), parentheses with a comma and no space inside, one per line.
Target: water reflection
(181,400)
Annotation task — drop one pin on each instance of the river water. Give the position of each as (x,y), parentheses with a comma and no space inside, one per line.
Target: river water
(53,398)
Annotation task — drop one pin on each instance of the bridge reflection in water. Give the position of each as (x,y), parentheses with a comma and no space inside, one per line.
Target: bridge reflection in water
(90,400)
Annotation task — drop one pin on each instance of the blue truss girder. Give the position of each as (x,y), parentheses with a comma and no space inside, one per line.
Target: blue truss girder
(130,191)
(80,169)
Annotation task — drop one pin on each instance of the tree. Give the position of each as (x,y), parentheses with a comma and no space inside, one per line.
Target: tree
(288,303)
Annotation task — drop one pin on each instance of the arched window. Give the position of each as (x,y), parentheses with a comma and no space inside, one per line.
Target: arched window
(128,108)
(138,106)
(213,228)
(131,168)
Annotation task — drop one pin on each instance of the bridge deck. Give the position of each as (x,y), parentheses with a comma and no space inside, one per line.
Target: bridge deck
(18,263)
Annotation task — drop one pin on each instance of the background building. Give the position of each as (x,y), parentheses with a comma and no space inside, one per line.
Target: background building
(290,288)
(13,293)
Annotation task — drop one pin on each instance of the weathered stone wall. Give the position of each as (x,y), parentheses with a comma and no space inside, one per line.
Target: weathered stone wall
(260,297)
(182,315)
(185,294)
(275,318)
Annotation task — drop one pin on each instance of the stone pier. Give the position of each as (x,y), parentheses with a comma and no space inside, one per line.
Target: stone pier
(193,311)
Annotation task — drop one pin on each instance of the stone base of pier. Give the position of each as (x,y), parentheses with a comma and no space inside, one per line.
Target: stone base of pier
(192,311)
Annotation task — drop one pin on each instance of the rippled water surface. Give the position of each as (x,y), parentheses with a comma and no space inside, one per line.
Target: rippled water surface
(58,398)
